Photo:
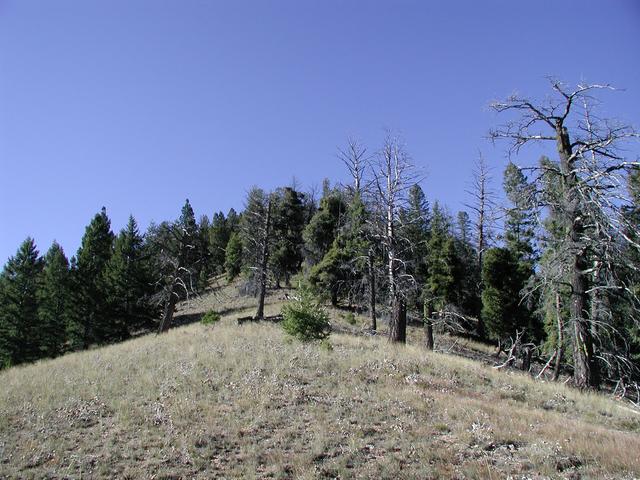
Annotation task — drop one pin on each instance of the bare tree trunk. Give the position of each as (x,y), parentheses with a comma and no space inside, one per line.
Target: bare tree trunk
(482,206)
(372,291)
(169,309)
(264,261)
(428,326)
(560,345)
(583,374)
(398,320)
(398,323)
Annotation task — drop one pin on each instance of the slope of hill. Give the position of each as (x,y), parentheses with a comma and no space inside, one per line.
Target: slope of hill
(233,401)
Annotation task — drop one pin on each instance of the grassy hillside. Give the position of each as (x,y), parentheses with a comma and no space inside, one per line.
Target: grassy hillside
(244,402)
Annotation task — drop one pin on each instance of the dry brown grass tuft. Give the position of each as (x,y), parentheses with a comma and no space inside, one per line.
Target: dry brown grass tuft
(245,402)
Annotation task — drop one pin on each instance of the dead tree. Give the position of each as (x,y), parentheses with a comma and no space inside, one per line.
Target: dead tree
(172,248)
(356,159)
(393,175)
(589,176)
(256,241)
(264,261)
(428,325)
(482,206)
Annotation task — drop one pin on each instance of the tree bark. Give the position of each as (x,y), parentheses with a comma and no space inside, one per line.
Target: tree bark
(169,309)
(264,262)
(398,323)
(583,374)
(372,292)
(428,326)
(560,345)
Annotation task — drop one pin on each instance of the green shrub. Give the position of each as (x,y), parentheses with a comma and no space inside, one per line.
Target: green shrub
(350,318)
(210,318)
(305,319)
(325,344)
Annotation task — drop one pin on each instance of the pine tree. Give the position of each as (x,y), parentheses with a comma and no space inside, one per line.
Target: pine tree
(233,257)
(323,227)
(288,224)
(442,262)
(341,272)
(520,222)
(468,285)
(502,311)
(203,245)
(128,283)
(415,222)
(54,301)
(257,242)
(92,321)
(20,328)
(251,236)
(176,261)
(520,241)
(219,236)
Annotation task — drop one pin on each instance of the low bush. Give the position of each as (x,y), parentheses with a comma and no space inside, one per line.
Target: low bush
(210,318)
(350,318)
(305,319)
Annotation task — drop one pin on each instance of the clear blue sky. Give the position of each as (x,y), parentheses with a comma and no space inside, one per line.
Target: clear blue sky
(137,105)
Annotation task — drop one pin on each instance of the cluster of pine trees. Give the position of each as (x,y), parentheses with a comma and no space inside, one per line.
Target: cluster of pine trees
(115,285)
(555,268)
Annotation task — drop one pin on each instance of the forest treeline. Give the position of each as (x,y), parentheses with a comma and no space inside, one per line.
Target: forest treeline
(550,271)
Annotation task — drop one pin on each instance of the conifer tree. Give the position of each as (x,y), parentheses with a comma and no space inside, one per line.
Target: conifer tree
(92,322)
(442,263)
(219,236)
(20,328)
(415,221)
(176,261)
(520,241)
(233,257)
(288,224)
(54,301)
(257,241)
(520,222)
(323,227)
(468,283)
(128,283)
(502,311)
(206,267)
(341,272)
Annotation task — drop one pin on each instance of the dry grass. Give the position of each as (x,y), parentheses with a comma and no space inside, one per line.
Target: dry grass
(245,402)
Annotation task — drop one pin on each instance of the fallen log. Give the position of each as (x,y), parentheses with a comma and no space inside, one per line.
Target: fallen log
(268,318)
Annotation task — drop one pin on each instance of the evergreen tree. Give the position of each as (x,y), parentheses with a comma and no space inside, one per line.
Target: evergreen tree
(442,263)
(519,240)
(468,284)
(233,257)
(54,301)
(20,327)
(92,321)
(128,283)
(251,223)
(233,221)
(219,236)
(323,227)
(555,291)
(520,222)
(206,268)
(288,224)
(503,279)
(415,222)
(341,272)
(176,261)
